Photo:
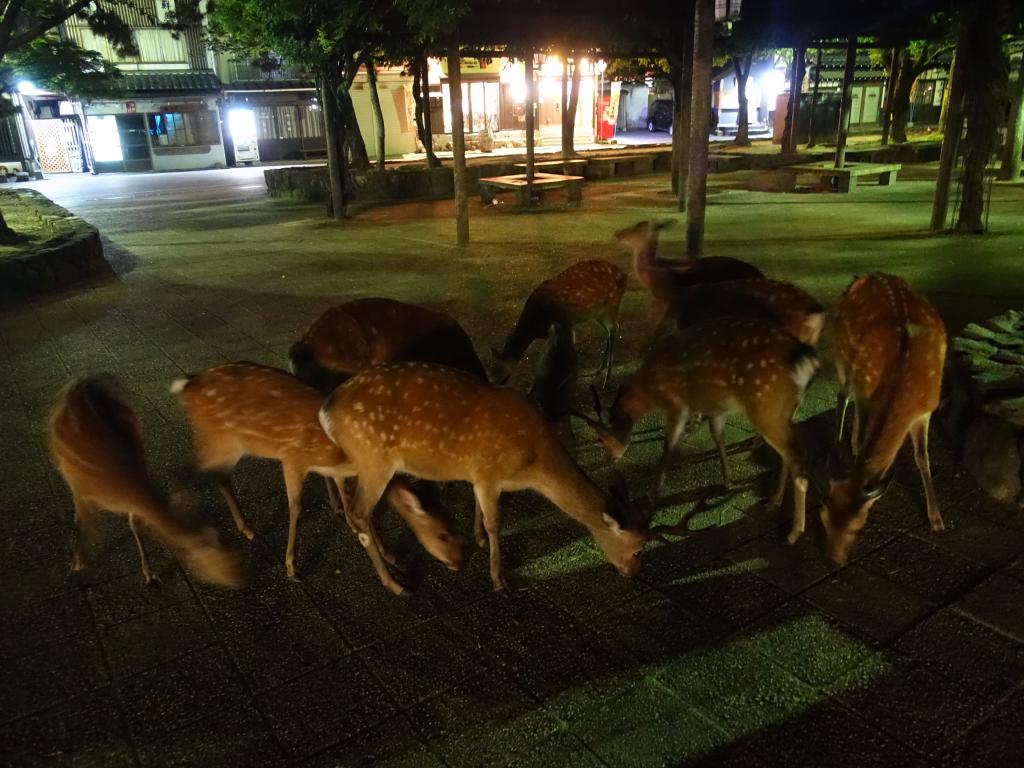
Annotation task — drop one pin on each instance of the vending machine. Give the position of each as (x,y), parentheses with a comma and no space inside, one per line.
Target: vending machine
(242,124)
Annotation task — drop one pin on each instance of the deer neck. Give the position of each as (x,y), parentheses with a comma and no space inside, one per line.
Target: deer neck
(563,483)
(645,260)
(532,324)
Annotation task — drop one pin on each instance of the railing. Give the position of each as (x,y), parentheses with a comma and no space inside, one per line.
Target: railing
(156,46)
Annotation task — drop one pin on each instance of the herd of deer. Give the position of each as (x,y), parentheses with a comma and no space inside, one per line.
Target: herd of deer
(380,388)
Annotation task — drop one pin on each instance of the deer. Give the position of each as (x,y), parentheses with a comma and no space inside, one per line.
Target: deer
(354,336)
(554,384)
(665,279)
(891,351)
(242,408)
(784,304)
(587,291)
(95,440)
(440,424)
(716,368)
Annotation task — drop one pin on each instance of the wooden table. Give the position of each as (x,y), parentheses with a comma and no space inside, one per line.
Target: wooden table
(542,183)
(575,165)
(844,179)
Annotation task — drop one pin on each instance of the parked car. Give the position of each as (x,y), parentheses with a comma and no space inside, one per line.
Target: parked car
(659,116)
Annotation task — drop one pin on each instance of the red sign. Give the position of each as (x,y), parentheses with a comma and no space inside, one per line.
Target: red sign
(129,106)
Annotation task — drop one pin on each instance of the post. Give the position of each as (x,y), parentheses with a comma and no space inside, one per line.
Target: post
(846,105)
(890,84)
(565,106)
(531,116)
(681,132)
(950,136)
(458,145)
(700,125)
(814,101)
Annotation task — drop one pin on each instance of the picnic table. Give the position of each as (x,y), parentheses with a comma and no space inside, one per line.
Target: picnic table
(573,166)
(542,183)
(843,179)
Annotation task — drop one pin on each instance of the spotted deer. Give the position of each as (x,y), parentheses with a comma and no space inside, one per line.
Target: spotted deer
(96,443)
(716,368)
(443,425)
(244,409)
(359,334)
(891,351)
(587,291)
(664,278)
(783,304)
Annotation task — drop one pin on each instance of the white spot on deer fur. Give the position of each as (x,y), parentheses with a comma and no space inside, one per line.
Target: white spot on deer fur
(364,539)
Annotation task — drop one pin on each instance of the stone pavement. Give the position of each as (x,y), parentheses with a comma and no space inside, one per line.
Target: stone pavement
(730,649)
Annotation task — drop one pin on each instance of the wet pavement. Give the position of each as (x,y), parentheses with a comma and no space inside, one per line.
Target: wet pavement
(731,648)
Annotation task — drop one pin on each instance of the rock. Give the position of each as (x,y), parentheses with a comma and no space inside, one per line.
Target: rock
(991,454)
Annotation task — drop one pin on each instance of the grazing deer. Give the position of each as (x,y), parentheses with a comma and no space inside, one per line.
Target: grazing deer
(715,368)
(588,290)
(96,443)
(356,335)
(240,409)
(891,351)
(440,424)
(666,279)
(783,304)
(554,385)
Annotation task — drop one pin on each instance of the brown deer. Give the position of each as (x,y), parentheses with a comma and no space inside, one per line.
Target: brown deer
(589,290)
(554,384)
(665,279)
(443,425)
(242,408)
(716,368)
(891,351)
(96,443)
(356,335)
(783,304)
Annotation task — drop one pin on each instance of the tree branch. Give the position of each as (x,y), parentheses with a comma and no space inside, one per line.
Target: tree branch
(11,11)
(42,26)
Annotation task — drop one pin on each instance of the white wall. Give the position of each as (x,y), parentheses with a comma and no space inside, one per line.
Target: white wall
(396,104)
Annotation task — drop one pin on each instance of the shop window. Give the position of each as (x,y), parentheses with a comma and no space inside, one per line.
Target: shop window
(183,129)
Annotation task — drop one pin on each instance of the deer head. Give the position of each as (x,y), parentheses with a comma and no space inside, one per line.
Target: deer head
(429,521)
(625,534)
(850,498)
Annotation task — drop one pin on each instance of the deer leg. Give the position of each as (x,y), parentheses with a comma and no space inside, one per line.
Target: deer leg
(487,503)
(83,511)
(479,533)
(612,329)
(151,578)
(717,426)
(333,498)
(919,437)
(792,467)
(293,477)
(673,431)
(842,404)
(223,482)
(369,490)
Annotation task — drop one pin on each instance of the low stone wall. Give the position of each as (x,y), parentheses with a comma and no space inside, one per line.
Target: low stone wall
(72,253)
(984,413)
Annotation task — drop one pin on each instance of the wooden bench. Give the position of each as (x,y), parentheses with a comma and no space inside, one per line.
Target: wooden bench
(542,182)
(843,179)
(568,167)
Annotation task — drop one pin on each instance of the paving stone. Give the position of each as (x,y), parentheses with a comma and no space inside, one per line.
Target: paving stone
(559,749)
(34,567)
(933,572)
(235,737)
(997,741)
(325,707)
(997,602)
(804,642)
(873,607)
(638,722)
(480,721)
(156,637)
(829,734)
(977,538)
(60,620)
(284,648)
(126,597)
(906,700)
(792,568)
(84,731)
(982,660)
(169,696)
(392,744)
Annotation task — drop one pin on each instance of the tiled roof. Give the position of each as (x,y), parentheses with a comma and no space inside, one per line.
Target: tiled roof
(171,81)
(268,85)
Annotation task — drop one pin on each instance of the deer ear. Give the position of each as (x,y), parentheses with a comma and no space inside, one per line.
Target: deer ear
(663,223)
(612,523)
(402,494)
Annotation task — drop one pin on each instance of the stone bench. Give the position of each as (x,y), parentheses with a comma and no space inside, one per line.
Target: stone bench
(843,179)
(568,167)
(542,183)
(620,165)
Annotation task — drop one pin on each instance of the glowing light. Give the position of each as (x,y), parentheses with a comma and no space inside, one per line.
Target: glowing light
(27,88)
(772,83)
(106,143)
(601,66)
(552,67)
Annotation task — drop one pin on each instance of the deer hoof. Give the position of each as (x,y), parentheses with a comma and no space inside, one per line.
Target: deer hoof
(793,537)
(153,581)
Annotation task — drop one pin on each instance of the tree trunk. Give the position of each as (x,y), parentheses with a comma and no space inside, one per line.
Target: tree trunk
(901,97)
(337,169)
(378,114)
(700,125)
(1009,169)
(890,84)
(793,105)
(417,98)
(564,104)
(681,129)
(531,122)
(355,147)
(675,76)
(945,94)
(951,128)
(985,80)
(741,66)
(569,143)
(811,123)
(846,104)
(428,128)
(458,146)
